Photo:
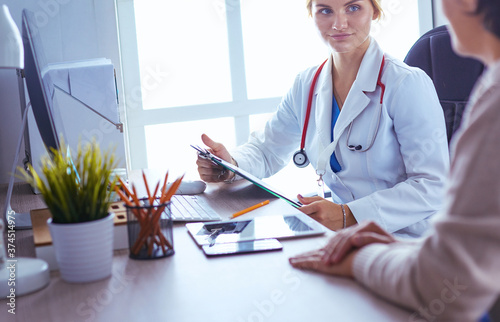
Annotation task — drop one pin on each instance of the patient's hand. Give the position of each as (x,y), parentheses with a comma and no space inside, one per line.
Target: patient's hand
(337,257)
(348,240)
(314,261)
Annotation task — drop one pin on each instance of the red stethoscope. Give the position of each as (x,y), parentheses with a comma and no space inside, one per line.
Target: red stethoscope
(300,157)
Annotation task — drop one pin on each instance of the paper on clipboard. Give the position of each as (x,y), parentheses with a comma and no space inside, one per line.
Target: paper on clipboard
(244,174)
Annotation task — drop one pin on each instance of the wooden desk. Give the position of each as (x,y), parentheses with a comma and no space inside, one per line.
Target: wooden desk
(191,287)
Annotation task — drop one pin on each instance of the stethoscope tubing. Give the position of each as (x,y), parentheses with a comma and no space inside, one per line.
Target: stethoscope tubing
(359,148)
(309,106)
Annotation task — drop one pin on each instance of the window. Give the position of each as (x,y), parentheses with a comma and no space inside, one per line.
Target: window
(187,42)
(221,66)
(279,41)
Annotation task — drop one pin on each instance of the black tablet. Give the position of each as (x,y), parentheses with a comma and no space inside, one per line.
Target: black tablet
(243,247)
(231,231)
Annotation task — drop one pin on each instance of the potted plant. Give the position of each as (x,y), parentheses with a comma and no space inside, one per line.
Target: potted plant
(77,192)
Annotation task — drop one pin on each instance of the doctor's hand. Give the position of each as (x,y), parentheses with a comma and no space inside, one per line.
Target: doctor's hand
(210,172)
(325,212)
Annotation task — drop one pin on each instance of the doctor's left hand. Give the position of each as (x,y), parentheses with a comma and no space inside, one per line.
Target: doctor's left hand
(325,212)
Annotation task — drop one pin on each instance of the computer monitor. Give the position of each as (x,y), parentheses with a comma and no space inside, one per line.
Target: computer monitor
(40,90)
(49,118)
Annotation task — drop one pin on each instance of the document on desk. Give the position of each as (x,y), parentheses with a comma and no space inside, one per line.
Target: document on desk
(244,174)
(275,226)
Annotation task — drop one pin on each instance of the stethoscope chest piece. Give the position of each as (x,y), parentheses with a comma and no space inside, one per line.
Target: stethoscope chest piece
(300,159)
(354,147)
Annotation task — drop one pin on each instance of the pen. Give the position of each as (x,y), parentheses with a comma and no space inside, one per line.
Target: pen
(244,211)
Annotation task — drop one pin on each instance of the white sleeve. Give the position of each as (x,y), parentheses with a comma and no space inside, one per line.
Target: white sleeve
(419,126)
(269,150)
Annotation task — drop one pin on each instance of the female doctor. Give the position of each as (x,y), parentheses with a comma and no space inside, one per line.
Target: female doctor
(370,125)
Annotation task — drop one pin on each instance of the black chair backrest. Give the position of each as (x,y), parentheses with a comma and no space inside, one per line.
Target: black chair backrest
(453,76)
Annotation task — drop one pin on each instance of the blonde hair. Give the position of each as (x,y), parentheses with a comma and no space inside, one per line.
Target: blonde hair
(377,7)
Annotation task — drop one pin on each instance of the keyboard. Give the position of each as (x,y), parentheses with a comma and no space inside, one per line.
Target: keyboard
(192,208)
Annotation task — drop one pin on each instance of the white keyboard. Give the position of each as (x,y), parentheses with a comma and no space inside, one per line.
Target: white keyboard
(192,208)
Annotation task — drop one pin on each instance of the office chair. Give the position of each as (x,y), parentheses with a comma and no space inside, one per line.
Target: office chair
(453,76)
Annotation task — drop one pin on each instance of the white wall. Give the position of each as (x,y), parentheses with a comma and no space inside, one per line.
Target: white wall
(70,30)
(439,17)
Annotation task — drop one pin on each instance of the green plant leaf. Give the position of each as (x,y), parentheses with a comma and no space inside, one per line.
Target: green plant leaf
(75,189)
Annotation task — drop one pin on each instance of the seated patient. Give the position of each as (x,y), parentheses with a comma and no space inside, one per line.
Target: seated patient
(459,262)
(374,133)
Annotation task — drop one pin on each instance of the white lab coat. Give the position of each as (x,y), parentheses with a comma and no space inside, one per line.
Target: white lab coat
(399,181)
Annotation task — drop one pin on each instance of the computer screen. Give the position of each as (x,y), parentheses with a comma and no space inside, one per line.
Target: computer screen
(55,109)
(40,90)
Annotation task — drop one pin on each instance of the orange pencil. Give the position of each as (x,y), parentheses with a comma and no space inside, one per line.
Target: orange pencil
(244,211)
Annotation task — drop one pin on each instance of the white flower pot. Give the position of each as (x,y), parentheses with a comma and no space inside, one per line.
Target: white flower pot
(84,251)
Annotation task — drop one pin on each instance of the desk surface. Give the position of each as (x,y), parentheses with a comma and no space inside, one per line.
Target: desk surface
(191,287)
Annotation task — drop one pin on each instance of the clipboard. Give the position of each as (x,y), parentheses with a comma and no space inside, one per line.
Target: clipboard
(204,153)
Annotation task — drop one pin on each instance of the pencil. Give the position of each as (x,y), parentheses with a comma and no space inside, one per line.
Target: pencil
(244,211)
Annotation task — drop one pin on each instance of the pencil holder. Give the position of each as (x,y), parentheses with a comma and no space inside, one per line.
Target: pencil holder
(149,228)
